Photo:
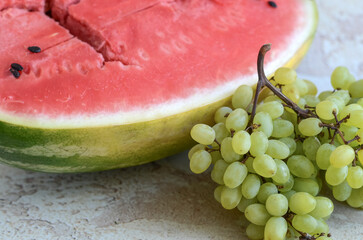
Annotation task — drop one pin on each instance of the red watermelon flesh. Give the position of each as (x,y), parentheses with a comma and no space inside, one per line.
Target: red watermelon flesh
(33,5)
(162,57)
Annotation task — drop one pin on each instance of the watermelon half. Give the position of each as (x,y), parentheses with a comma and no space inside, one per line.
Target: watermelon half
(120,83)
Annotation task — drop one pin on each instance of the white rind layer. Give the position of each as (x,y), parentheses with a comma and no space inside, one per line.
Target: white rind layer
(199,98)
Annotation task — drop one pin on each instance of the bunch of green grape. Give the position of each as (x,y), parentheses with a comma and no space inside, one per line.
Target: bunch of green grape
(272,167)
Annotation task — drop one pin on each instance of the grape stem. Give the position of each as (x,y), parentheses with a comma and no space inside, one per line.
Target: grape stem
(304,236)
(354,163)
(302,113)
(264,82)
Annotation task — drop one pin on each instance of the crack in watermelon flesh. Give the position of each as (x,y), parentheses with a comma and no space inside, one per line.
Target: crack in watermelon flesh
(118,62)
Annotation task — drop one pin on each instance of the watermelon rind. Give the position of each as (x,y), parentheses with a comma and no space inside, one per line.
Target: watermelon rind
(102,143)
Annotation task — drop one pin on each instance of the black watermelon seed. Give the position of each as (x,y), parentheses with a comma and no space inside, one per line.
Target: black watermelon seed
(15,73)
(17,66)
(34,49)
(272,4)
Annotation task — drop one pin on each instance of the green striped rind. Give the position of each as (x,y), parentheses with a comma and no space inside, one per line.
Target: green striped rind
(103,148)
(96,149)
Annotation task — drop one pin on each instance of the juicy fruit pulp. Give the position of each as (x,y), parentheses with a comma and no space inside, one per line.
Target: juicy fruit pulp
(283,172)
(144,72)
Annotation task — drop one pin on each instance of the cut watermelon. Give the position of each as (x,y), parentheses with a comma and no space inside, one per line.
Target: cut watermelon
(132,77)
(32,5)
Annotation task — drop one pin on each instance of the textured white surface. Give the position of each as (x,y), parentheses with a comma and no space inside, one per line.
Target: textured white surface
(163,200)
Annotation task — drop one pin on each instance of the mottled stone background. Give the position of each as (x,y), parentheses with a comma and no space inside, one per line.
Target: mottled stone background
(162,200)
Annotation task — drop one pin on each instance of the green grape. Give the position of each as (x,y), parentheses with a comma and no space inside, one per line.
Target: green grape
(272,98)
(288,194)
(355,177)
(291,233)
(264,120)
(251,186)
(277,149)
(360,156)
(340,77)
(265,166)
(301,166)
(195,149)
(304,223)
(343,94)
(349,133)
(310,126)
(241,142)
(216,155)
(292,92)
(282,128)
(200,161)
(242,97)
(311,101)
(282,174)
(203,134)
(324,207)
(227,151)
(299,148)
(302,103)
(302,86)
(220,115)
(320,183)
(285,187)
(360,102)
(249,108)
(348,109)
(342,156)
(324,95)
(342,191)
(325,137)
(218,193)
(325,109)
(356,198)
(359,133)
(306,185)
(335,176)
(302,203)
(321,227)
(351,80)
(290,116)
(230,197)
(323,155)
(339,102)
(284,75)
(290,142)
(277,205)
(235,174)
(312,90)
(244,203)
(259,143)
(237,120)
(275,229)
(221,132)
(274,109)
(316,171)
(249,165)
(324,238)
(218,171)
(356,89)
(255,232)
(257,214)
(356,119)
(266,190)
(353,100)
(310,147)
